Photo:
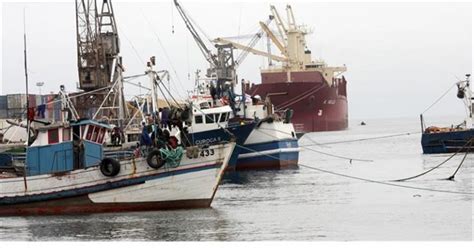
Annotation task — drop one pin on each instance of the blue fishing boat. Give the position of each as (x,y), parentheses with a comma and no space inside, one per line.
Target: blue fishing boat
(457,138)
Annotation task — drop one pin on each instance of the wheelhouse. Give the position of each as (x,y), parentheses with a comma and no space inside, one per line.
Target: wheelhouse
(65,147)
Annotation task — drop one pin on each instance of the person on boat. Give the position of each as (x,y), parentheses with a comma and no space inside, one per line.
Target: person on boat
(165,117)
(116,136)
(213,92)
(145,139)
(159,114)
(256,100)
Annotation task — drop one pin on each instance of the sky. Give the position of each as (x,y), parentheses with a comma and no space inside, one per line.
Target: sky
(400,57)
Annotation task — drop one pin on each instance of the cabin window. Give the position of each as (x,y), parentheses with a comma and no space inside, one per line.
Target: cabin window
(66,134)
(100,138)
(204,105)
(210,118)
(223,117)
(95,134)
(53,136)
(198,119)
(90,129)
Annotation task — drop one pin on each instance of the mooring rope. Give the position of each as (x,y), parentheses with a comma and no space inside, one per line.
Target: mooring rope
(439,99)
(338,156)
(298,98)
(437,166)
(459,167)
(312,149)
(364,179)
(371,138)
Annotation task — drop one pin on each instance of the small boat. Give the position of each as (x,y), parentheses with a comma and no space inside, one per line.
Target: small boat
(457,138)
(66,172)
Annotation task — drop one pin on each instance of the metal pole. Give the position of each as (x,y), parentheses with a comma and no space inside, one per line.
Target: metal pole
(27,100)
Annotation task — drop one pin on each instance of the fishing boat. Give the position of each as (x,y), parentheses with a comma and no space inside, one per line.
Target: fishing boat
(66,173)
(196,122)
(457,138)
(272,144)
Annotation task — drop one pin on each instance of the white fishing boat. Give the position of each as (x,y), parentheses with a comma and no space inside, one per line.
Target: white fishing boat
(272,144)
(66,173)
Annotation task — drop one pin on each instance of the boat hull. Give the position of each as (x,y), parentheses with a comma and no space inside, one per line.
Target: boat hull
(448,142)
(269,146)
(316,105)
(137,187)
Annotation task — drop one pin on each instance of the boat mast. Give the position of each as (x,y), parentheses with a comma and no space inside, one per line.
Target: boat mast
(469,103)
(28,124)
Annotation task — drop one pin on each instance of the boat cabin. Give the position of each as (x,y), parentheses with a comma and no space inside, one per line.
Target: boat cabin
(65,147)
(206,116)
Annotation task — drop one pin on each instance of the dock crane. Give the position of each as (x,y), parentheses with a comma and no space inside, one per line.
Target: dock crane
(99,61)
(222,63)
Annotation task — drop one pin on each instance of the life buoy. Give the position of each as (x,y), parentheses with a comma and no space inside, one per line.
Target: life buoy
(109,167)
(154,159)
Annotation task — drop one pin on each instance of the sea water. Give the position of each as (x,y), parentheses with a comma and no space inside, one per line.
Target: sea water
(309,203)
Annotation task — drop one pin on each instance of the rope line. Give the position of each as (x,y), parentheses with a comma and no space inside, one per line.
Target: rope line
(165,53)
(439,99)
(365,179)
(314,150)
(457,169)
(338,156)
(372,138)
(437,166)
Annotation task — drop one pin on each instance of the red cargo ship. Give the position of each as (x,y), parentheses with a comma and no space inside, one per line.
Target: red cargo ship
(318,105)
(316,92)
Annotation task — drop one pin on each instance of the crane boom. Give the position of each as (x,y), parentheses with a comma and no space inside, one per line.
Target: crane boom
(252,43)
(250,49)
(275,40)
(280,25)
(205,51)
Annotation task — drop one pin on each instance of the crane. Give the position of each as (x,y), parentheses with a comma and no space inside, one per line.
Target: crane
(99,61)
(222,64)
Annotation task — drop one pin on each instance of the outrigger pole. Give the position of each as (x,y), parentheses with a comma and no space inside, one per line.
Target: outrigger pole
(28,123)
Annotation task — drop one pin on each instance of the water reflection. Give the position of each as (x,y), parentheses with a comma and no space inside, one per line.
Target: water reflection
(182,225)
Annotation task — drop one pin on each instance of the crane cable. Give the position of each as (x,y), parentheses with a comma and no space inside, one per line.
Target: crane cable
(164,51)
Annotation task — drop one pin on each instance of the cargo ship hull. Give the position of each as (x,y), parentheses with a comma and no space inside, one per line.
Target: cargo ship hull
(317,105)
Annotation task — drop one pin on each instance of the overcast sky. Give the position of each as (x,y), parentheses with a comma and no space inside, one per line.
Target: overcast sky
(400,56)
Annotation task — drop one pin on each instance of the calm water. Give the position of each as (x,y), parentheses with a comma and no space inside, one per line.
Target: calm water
(302,204)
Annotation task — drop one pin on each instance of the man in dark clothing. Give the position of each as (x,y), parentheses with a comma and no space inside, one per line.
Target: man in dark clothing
(165,117)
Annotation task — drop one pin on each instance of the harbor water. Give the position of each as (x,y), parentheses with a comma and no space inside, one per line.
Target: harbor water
(307,203)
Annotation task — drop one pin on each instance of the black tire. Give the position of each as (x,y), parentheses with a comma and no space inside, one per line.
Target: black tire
(155,160)
(109,167)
